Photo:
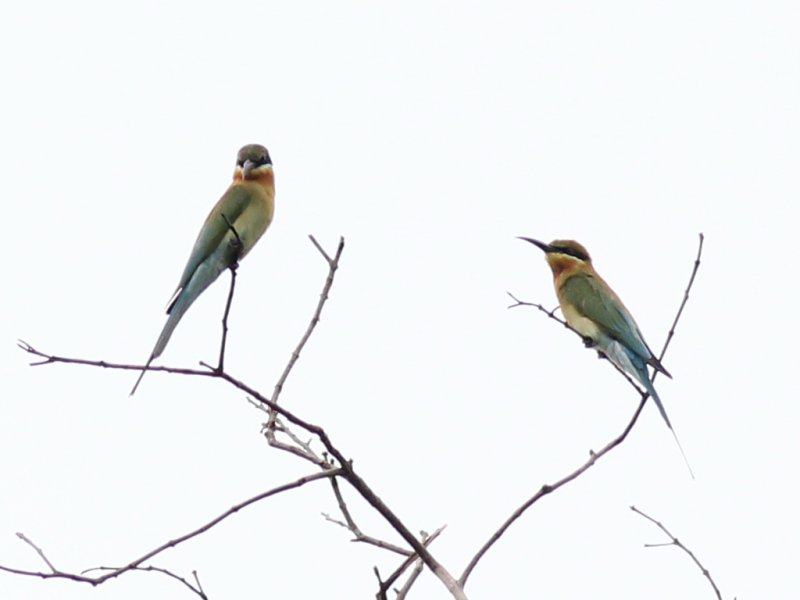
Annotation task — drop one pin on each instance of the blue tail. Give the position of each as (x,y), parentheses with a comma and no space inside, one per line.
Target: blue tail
(204,276)
(633,364)
(644,378)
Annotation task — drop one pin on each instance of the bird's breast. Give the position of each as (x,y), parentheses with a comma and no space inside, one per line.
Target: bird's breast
(256,216)
(580,323)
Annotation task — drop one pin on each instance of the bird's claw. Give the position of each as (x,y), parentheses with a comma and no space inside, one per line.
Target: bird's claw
(235,244)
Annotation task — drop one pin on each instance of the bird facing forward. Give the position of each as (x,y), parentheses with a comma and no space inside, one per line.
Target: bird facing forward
(230,231)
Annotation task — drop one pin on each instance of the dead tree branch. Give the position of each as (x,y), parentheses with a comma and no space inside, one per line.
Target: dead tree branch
(677,543)
(345,469)
(136,564)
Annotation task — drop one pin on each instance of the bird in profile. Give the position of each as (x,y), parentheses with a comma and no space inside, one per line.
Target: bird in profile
(230,231)
(592,309)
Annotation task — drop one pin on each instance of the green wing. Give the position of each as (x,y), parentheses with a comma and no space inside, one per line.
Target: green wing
(591,298)
(232,205)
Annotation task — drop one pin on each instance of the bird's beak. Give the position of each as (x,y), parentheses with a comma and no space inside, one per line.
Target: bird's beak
(544,247)
(247,168)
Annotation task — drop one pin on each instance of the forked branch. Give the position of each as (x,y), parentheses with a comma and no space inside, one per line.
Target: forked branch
(344,470)
(677,543)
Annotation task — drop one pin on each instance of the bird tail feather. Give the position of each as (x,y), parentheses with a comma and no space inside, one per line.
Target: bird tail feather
(183,300)
(634,365)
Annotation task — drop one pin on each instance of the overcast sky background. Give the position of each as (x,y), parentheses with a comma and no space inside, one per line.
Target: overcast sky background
(429,135)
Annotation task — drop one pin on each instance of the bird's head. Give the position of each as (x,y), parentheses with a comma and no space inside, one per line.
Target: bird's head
(252,162)
(562,255)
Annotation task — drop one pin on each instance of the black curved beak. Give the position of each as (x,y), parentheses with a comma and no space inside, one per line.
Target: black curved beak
(544,247)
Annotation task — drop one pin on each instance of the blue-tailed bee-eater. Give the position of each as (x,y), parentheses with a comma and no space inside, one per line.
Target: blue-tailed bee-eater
(592,309)
(247,207)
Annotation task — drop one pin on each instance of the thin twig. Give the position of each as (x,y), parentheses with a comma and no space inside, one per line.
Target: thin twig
(224,341)
(350,523)
(677,543)
(331,261)
(197,581)
(588,342)
(402,593)
(547,489)
(237,246)
(135,564)
(197,590)
(351,526)
(685,298)
(39,551)
(298,447)
(593,457)
(302,449)
(54,358)
(333,265)
(385,585)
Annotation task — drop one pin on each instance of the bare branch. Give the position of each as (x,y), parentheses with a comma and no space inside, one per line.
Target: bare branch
(350,525)
(685,298)
(54,358)
(346,468)
(348,472)
(593,456)
(237,246)
(675,542)
(588,342)
(136,564)
(212,371)
(402,593)
(224,340)
(333,265)
(548,488)
(385,585)
(359,484)
(297,446)
(549,313)
(39,551)
(331,261)
(197,589)
(273,426)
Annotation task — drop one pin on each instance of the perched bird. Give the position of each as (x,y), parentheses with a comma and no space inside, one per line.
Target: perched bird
(592,309)
(247,207)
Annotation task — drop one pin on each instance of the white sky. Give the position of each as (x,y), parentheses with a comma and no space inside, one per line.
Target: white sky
(428,134)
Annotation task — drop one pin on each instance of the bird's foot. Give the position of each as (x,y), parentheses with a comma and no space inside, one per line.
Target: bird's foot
(235,244)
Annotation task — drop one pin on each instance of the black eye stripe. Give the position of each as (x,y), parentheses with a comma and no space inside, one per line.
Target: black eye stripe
(256,154)
(259,160)
(571,252)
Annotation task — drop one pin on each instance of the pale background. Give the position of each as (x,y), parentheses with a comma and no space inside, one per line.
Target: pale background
(428,134)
